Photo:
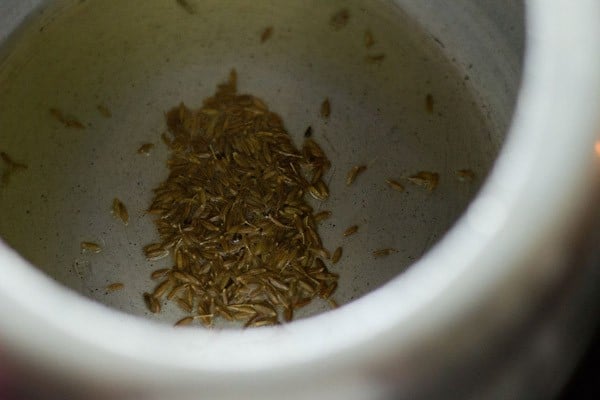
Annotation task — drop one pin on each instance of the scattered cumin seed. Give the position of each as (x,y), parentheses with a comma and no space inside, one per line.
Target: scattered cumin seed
(120,211)
(465,175)
(115,286)
(90,247)
(186,6)
(351,230)
(266,34)
(369,40)
(161,288)
(319,190)
(337,254)
(145,149)
(339,19)
(395,185)
(375,58)
(384,252)
(160,273)
(429,103)
(11,167)
(184,321)
(104,111)
(326,108)
(10,162)
(354,172)
(68,122)
(156,254)
(152,303)
(322,215)
(425,179)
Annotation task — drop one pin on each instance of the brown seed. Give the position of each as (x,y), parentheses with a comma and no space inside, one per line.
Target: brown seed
(425,179)
(395,185)
(68,122)
(465,175)
(375,58)
(179,261)
(288,314)
(189,295)
(90,247)
(278,284)
(206,319)
(185,278)
(337,254)
(429,103)
(266,34)
(104,111)
(176,291)
(339,19)
(354,172)
(369,40)
(161,289)
(259,321)
(311,149)
(152,247)
(242,308)
(120,211)
(145,149)
(157,255)
(209,226)
(184,321)
(160,273)
(384,252)
(319,190)
(152,303)
(302,302)
(115,286)
(278,223)
(322,215)
(307,287)
(10,163)
(184,305)
(224,312)
(259,104)
(326,108)
(186,6)
(328,290)
(351,230)
(262,309)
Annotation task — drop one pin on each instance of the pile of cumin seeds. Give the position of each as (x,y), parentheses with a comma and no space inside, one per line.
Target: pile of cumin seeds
(232,215)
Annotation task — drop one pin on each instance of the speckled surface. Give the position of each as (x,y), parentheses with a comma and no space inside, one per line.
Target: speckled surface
(139,58)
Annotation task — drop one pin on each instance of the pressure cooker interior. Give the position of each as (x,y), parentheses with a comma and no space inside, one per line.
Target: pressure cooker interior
(85,84)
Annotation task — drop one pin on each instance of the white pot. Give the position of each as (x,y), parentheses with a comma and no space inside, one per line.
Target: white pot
(500,307)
